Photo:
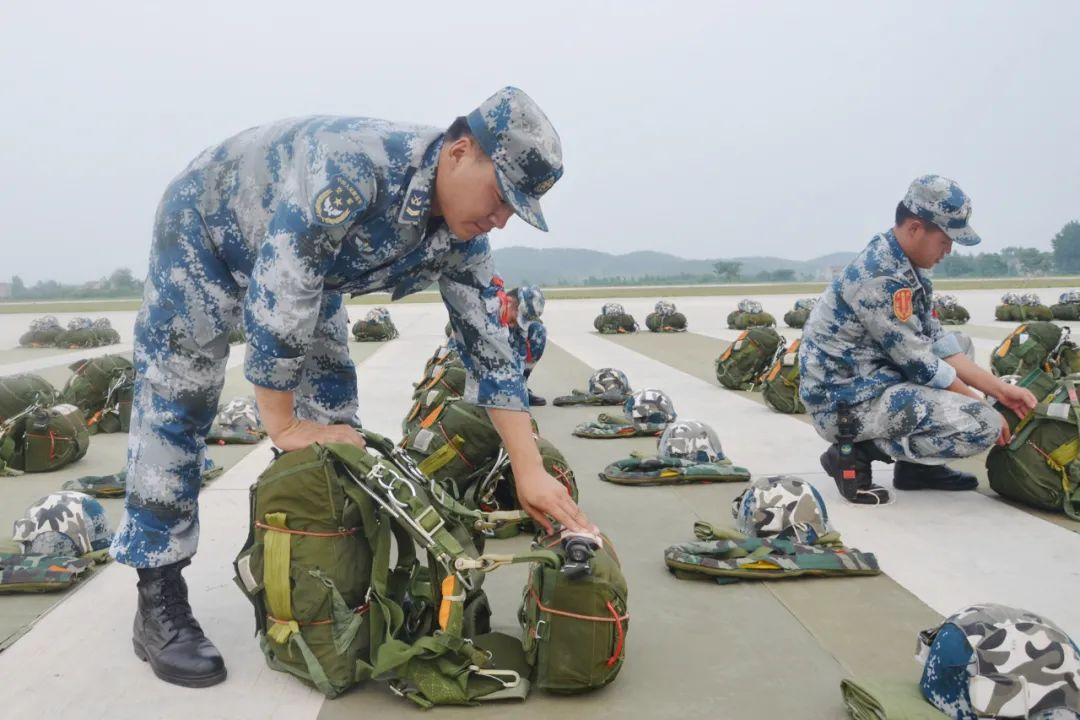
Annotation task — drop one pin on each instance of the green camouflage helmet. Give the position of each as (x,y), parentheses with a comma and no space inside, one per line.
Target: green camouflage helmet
(665,307)
(64,523)
(612,309)
(609,380)
(690,440)
(781,506)
(649,410)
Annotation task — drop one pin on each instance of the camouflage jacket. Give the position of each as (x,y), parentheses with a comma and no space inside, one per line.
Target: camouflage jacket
(873,328)
(315,205)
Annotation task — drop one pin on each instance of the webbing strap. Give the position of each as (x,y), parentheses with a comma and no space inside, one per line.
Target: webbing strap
(277,556)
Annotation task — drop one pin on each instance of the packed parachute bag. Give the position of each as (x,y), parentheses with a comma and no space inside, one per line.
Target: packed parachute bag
(614,319)
(376,326)
(1021,308)
(333,610)
(780,384)
(782,531)
(42,333)
(78,334)
(688,452)
(606,386)
(237,422)
(743,362)
(1067,306)
(18,392)
(443,381)
(664,318)
(1036,346)
(949,311)
(102,388)
(797,316)
(646,412)
(104,333)
(749,314)
(1040,466)
(42,438)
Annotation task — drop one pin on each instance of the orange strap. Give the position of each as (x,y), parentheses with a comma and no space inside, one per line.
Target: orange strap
(287,531)
(432,417)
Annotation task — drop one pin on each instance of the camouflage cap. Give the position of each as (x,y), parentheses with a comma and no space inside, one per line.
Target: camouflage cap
(518,137)
(64,523)
(942,202)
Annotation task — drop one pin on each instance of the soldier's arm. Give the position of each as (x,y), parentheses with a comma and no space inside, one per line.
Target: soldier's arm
(878,305)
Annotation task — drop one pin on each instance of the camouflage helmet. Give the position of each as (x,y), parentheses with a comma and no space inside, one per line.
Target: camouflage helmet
(608,380)
(1010,299)
(805,303)
(649,409)
(612,309)
(1030,299)
(102,324)
(80,323)
(750,306)
(1072,296)
(945,301)
(46,322)
(530,303)
(1015,664)
(665,307)
(63,523)
(377,314)
(690,440)
(781,506)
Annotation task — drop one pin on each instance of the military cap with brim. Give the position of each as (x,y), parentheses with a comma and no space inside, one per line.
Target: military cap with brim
(941,201)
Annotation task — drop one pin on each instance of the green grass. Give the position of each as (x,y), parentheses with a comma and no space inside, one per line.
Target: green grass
(586,293)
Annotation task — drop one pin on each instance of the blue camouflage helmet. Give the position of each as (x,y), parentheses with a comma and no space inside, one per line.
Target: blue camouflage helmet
(781,506)
(941,201)
(518,137)
(530,303)
(64,523)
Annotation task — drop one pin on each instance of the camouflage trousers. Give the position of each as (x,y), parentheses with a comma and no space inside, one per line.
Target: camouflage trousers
(180,371)
(920,424)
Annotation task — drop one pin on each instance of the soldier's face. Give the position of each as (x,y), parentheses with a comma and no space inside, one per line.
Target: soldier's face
(929,245)
(467,192)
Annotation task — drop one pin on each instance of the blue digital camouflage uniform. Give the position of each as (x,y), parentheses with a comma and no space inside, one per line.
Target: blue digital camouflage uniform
(529,342)
(270,228)
(868,346)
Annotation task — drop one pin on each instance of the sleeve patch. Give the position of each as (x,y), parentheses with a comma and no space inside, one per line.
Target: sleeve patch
(902,305)
(336,202)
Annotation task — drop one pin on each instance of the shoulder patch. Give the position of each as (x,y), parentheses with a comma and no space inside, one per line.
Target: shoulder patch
(901,304)
(336,202)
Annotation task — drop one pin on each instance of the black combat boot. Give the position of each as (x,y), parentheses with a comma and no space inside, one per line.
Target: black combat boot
(536,400)
(915,476)
(167,634)
(848,464)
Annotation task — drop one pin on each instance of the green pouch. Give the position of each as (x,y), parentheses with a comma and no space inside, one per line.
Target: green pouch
(575,628)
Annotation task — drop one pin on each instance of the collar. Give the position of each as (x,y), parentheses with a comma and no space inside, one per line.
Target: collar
(416,205)
(913,275)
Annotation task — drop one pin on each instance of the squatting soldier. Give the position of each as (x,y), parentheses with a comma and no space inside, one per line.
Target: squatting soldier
(269,229)
(880,377)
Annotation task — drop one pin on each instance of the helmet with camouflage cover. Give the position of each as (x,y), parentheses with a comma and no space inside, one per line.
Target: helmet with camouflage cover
(240,412)
(102,324)
(649,409)
(64,523)
(749,306)
(1010,298)
(377,314)
(1030,299)
(608,380)
(805,303)
(996,661)
(945,301)
(46,322)
(781,506)
(530,303)
(1072,296)
(80,323)
(612,309)
(665,307)
(690,440)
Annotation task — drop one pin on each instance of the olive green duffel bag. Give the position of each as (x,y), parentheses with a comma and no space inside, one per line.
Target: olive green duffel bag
(574,616)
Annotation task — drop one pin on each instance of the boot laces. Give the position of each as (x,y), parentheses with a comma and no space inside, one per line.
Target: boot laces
(176,611)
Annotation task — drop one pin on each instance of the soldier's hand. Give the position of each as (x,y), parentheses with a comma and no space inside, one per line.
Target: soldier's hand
(1018,399)
(544,498)
(300,433)
(1006,434)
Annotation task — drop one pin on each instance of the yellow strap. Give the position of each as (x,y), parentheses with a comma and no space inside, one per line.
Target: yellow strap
(1065,454)
(277,556)
(443,455)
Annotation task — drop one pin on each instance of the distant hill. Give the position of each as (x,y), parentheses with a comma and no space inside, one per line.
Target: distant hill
(570,266)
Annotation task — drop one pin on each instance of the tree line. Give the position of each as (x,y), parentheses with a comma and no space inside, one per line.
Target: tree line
(121,283)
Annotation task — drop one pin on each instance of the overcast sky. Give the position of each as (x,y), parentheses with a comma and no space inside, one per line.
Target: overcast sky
(705,129)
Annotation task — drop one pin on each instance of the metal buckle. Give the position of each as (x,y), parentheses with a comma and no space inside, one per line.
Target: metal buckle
(420,519)
(497,675)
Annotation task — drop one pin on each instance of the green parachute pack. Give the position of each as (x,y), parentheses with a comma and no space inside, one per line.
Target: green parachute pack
(443,381)
(34,573)
(42,333)
(742,363)
(645,413)
(102,388)
(1021,308)
(82,332)
(949,311)
(1067,307)
(797,316)
(606,386)
(689,451)
(376,326)
(665,318)
(749,314)
(1040,466)
(18,392)
(780,384)
(332,609)
(613,319)
(1036,346)
(43,438)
